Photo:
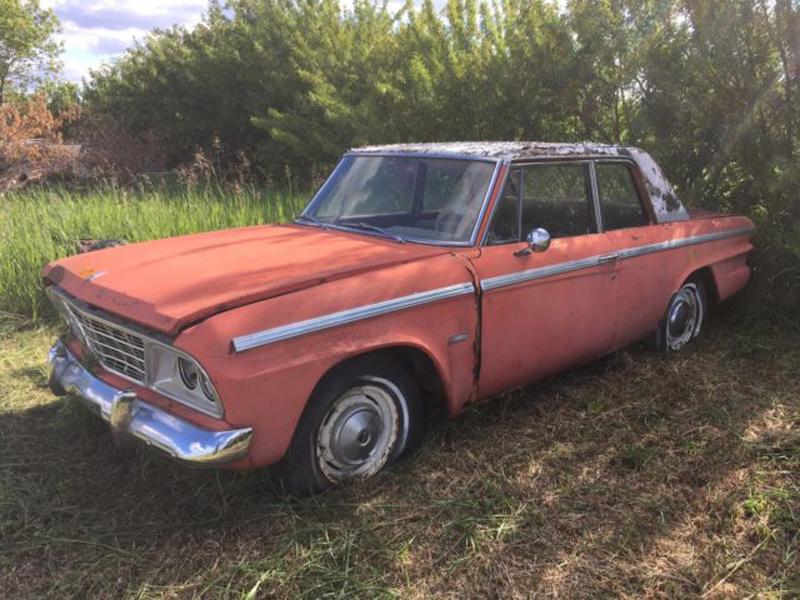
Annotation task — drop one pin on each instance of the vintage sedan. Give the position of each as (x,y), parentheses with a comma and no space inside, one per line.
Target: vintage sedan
(418,276)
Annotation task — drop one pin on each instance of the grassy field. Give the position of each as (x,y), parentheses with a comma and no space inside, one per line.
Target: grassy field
(642,475)
(43,224)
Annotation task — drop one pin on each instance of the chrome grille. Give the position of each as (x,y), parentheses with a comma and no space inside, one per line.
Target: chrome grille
(117,349)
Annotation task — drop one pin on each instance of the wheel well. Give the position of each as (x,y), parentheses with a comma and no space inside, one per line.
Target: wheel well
(417,361)
(707,277)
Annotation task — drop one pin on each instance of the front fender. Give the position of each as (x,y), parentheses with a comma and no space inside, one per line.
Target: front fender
(267,387)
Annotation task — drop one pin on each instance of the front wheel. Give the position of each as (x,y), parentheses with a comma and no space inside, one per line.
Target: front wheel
(360,420)
(684,317)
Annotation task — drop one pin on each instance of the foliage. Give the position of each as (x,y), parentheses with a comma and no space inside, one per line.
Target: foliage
(40,225)
(28,48)
(61,95)
(708,86)
(31,147)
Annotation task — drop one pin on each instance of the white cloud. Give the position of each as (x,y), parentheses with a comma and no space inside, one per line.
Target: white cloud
(96,31)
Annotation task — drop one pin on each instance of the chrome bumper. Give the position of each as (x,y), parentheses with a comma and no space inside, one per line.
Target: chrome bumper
(131,418)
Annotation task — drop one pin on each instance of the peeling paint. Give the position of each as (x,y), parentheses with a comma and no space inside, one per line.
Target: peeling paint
(666,204)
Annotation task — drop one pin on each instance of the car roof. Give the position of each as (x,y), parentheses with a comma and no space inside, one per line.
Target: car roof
(495,150)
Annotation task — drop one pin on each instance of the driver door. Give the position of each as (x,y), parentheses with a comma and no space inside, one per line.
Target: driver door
(542,311)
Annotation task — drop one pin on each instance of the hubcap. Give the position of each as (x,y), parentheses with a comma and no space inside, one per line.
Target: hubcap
(683,317)
(357,436)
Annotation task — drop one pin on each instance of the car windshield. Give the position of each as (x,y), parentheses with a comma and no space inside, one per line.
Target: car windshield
(403,197)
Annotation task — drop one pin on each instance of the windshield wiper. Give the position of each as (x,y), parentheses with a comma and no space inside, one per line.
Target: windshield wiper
(312,221)
(376,229)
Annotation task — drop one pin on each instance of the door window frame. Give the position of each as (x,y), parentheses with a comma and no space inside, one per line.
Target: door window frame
(633,169)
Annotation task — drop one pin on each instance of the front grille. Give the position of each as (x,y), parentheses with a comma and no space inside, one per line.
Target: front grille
(117,349)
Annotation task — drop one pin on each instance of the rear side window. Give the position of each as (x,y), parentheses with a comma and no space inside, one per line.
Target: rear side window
(558,198)
(620,203)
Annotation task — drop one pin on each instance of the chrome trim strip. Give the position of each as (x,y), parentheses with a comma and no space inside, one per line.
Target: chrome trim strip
(130,417)
(434,155)
(595,192)
(285,332)
(549,271)
(487,197)
(500,281)
(682,242)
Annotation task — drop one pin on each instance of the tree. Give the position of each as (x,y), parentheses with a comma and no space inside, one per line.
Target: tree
(28,48)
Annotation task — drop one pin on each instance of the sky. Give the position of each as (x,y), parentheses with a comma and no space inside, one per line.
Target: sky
(96,31)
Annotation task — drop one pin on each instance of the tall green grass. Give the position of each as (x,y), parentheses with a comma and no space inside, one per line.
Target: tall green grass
(41,225)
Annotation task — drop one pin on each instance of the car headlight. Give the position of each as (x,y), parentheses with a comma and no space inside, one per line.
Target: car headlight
(180,377)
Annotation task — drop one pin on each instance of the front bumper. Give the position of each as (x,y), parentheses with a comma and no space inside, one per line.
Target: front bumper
(132,418)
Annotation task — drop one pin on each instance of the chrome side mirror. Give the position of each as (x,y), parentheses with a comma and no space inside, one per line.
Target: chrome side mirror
(538,241)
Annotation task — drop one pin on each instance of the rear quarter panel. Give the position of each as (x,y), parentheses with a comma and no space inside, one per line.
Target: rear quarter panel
(647,282)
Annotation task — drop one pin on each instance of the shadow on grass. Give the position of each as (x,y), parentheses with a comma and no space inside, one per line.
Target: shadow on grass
(34,375)
(620,477)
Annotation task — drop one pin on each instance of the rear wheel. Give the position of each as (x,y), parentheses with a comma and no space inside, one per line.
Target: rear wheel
(359,421)
(684,317)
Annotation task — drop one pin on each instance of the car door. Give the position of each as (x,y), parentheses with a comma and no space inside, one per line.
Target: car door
(542,311)
(644,277)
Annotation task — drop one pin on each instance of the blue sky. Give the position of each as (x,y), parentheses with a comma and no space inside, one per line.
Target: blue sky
(95,31)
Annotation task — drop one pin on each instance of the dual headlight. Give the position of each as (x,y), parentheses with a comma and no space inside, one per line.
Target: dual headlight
(180,377)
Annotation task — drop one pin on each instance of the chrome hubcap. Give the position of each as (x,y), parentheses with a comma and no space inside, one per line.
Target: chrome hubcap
(357,436)
(684,317)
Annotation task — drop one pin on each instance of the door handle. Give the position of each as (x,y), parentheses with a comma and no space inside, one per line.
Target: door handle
(608,258)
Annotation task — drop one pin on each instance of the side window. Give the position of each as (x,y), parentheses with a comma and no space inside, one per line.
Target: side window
(620,204)
(558,197)
(505,221)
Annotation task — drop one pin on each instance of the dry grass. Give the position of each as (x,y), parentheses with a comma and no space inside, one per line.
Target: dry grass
(642,475)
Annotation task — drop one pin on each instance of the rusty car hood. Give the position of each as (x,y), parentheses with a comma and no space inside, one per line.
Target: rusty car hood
(171,283)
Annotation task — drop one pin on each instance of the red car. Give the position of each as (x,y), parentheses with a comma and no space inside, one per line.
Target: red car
(418,274)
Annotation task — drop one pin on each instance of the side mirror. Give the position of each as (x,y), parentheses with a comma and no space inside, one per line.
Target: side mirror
(538,241)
